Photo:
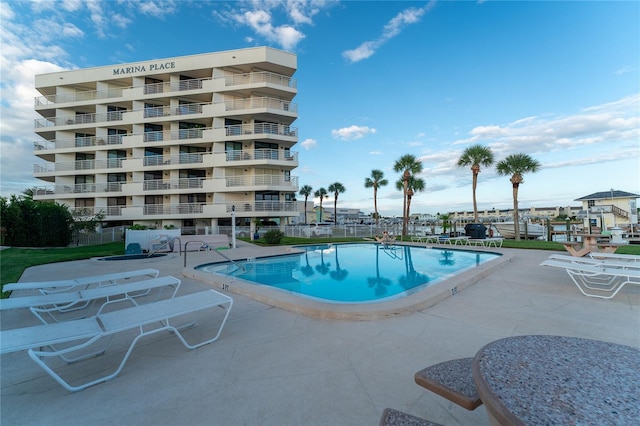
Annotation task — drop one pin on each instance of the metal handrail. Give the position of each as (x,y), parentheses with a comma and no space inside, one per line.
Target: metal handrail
(206,246)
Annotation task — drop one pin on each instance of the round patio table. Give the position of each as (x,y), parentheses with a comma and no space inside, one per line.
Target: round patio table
(556,380)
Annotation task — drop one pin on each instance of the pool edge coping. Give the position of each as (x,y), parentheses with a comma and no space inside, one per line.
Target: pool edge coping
(417,301)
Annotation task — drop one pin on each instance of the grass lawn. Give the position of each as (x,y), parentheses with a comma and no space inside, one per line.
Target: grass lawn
(14,261)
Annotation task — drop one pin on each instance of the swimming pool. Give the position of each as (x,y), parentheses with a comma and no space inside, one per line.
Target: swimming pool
(354,273)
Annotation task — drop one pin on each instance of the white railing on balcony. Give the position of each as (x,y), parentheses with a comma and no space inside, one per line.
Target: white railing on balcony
(90,95)
(174,86)
(259,102)
(115,210)
(263,206)
(259,77)
(261,154)
(79,188)
(157,160)
(175,135)
(167,111)
(260,128)
(111,163)
(261,180)
(79,119)
(184,183)
(166,209)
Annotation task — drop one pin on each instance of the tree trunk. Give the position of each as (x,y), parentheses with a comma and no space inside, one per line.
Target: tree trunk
(375,203)
(475,184)
(516,214)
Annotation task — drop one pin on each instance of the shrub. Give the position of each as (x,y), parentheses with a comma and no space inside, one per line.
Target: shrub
(273,236)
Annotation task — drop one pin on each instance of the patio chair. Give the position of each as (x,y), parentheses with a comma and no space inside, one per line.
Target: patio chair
(47,287)
(597,280)
(74,300)
(80,337)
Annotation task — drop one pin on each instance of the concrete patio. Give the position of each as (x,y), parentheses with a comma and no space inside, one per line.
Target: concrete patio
(275,367)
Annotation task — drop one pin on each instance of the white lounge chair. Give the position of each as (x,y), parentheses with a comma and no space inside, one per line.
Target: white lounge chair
(46,287)
(597,280)
(607,262)
(81,335)
(74,300)
(617,257)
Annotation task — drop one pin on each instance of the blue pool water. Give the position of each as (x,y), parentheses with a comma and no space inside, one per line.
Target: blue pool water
(353,273)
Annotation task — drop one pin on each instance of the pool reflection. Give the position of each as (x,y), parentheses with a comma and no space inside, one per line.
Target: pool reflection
(357,272)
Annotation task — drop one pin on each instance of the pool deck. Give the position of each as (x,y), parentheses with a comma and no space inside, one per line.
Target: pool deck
(276,367)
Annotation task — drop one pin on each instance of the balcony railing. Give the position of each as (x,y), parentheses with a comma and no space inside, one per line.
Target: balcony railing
(261,154)
(91,95)
(261,128)
(174,86)
(167,111)
(263,206)
(259,77)
(617,211)
(259,103)
(111,163)
(163,160)
(165,209)
(80,188)
(175,135)
(261,180)
(162,185)
(79,119)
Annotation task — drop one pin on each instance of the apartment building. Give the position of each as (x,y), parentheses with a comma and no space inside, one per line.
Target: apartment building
(186,142)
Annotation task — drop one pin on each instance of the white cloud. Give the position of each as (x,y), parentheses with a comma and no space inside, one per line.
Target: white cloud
(393,28)
(352,132)
(260,16)
(309,144)
(157,9)
(607,123)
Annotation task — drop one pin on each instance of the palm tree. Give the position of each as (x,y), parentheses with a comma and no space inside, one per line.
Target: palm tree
(375,181)
(408,165)
(336,188)
(306,190)
(320,193)
(515,165)
(475,156)
(413,185)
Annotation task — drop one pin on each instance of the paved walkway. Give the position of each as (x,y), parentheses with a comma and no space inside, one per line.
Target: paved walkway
(274,367)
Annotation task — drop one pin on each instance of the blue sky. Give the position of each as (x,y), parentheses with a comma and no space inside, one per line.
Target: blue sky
(377,80)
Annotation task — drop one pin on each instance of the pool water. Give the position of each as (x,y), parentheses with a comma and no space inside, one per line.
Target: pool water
(354,273)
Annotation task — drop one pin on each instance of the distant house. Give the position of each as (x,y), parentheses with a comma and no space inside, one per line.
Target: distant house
(607,209)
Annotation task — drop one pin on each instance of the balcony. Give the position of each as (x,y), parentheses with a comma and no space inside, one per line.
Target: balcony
(177,184)
(252,130)
(78,119)
(260,154)
(89,95)
(111,163)
(168,111)
(173,209)
(170,160)
(263,206)
(617,211)
(260,103)
(93,95)
(259,78)
(60,191)
(261,180)
(182,134)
